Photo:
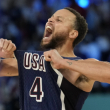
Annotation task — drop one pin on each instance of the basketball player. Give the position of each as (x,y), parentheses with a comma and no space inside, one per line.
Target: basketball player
(65,89)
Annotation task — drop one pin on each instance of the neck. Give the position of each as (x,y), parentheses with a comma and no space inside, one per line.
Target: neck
(66,51)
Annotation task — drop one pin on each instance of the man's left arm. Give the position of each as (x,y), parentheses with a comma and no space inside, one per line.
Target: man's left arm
(8,62)
(8,67)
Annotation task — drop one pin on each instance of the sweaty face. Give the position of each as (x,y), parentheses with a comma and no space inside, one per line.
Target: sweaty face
(57,29)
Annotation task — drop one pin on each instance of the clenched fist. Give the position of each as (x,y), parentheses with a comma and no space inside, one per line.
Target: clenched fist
(7,48)
(54,57)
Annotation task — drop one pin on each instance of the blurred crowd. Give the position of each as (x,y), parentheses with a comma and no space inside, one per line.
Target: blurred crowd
(23,22)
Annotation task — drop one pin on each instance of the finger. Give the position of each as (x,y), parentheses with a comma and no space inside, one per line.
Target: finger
(1,43)
(47,56)
(5,44)
(11,46)
(48,53)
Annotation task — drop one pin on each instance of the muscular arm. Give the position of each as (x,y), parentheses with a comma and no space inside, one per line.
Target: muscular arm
(91,68)
(8,67)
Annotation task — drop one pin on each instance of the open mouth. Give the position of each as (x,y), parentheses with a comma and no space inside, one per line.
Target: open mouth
(48,31)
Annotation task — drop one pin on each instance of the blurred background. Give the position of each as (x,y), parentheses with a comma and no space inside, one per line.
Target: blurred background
(23,21)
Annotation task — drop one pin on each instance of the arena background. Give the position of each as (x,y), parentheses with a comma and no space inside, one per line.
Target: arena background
(23,21)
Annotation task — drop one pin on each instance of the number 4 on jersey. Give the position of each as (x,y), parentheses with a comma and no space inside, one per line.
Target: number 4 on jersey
(36,89)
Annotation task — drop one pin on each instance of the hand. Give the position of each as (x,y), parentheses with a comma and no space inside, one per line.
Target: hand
(7,48)
(54,57)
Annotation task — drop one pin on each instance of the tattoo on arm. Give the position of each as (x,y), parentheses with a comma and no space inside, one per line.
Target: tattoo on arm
(9,73)
(70,63)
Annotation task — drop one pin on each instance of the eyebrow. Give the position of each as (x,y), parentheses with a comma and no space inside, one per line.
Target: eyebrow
(58,17)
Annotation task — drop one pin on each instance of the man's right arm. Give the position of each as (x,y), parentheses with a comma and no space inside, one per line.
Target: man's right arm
(8,65)
(91,68)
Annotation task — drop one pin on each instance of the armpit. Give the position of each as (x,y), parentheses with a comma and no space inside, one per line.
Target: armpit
(82,78)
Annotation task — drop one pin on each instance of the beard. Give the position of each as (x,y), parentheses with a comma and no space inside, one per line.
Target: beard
(58,40)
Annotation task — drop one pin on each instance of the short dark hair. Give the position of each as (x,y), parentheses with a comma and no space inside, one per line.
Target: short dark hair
(80,25)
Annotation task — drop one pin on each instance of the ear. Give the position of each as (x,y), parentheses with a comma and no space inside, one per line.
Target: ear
(73,34)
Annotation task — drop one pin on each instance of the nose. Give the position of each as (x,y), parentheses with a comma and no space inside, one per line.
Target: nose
(51,19)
